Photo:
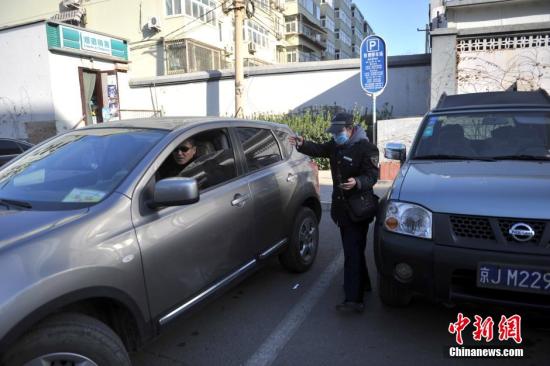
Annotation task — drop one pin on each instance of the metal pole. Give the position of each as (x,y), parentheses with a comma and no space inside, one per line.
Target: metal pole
(374,126)
(239,74)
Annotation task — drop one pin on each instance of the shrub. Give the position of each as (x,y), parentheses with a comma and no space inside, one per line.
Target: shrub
(312,122)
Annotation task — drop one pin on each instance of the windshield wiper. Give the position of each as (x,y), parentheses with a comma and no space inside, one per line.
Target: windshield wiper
(8,203)
(451,157)
(522,157)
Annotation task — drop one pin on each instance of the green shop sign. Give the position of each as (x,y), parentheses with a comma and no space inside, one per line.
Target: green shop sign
(60,36)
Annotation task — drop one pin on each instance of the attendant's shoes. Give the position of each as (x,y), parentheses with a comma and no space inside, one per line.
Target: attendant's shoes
(350,306)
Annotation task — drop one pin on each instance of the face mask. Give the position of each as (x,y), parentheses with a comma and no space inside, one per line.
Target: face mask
(341,138)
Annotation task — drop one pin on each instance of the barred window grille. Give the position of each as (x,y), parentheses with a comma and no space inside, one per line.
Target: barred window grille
(503,42)
(187,56)
(176,57)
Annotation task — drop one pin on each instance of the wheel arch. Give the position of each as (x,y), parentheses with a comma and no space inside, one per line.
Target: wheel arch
(109,305)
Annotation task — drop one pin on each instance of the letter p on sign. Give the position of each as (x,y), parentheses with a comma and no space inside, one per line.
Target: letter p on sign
(373,45)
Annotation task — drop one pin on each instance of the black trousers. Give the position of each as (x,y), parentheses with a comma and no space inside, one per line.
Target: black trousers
(356,276)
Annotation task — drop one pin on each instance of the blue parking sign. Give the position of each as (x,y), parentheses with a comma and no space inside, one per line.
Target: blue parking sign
(374,66)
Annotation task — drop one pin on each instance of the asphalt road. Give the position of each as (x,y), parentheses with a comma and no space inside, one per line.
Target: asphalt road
(278,318)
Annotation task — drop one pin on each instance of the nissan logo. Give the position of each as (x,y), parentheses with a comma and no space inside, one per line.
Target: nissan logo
(522,232)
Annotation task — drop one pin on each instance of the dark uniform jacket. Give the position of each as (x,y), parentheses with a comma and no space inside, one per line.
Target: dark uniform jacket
(357,158)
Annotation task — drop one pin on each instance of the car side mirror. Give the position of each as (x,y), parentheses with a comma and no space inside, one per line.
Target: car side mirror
(395,151)
(175,191)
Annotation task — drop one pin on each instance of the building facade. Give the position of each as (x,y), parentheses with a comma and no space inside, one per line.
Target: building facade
(169,37)
(489,45)
(305,37)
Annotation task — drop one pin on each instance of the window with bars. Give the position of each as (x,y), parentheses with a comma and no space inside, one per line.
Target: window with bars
(187,56)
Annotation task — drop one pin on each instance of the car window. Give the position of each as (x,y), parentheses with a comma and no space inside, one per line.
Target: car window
(208,157)
(77,169)
(8,147)
(24,146)
(259,146)
(486,135)
(285,144)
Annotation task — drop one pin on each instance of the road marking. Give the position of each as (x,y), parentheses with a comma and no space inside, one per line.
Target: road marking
(272,346)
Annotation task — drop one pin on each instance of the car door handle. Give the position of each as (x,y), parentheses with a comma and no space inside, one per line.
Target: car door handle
(291,178)
(240,200)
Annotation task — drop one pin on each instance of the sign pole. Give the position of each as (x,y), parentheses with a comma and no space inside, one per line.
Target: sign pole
(374,73)
(374,126)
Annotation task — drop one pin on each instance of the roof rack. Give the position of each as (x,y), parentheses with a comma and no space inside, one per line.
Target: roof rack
(505,99)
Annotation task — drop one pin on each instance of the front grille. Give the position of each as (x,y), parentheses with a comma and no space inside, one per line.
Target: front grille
(506,224)
(472,227)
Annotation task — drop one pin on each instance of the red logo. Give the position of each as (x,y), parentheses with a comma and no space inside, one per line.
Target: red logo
(508,328)
(458,327)
(484,329)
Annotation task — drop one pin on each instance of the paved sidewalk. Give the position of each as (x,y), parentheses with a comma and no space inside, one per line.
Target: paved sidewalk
(325,181)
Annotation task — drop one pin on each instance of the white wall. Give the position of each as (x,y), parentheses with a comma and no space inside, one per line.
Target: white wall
(407,92)
(65,86)
(25,92)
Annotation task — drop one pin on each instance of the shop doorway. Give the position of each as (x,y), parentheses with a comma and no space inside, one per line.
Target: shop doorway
(99,93)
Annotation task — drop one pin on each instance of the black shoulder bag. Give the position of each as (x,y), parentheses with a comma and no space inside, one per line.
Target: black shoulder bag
(362,205)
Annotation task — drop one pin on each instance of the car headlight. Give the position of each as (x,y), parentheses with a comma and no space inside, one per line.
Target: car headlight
(408,219)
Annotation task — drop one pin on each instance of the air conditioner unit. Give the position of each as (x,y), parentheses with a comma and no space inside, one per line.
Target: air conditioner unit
(73,4)
(154,24)
(251,48)
(228,50)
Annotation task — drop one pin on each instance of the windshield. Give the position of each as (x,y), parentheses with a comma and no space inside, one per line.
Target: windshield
(486,136)
(75,170)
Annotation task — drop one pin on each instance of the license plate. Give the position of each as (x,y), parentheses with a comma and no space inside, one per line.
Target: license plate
(511,277)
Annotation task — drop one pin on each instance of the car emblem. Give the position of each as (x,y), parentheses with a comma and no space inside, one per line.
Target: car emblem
(522,232)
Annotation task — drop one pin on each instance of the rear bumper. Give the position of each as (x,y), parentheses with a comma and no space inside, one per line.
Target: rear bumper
(445,273)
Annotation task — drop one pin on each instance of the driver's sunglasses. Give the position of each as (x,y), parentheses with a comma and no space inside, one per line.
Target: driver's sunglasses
(183,149)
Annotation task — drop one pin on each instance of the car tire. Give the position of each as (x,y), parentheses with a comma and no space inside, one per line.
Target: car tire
(68,338)
(391,293)
(304,241)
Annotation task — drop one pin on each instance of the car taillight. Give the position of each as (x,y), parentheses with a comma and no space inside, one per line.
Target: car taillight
(315,169)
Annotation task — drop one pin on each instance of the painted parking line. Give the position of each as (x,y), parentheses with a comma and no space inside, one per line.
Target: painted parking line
(273,345)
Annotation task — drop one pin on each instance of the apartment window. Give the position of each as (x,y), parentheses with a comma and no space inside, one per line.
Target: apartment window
(337,54)
(330,47)
(337,33)
(264,4)
(327,23)
(187,56)
(291,56)
(337,12)
(291,26)
(200,9)
(311,7)
(345,38)
(345,18)
(256,34)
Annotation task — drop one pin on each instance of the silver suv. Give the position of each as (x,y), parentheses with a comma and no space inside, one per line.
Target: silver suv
(467,219)
(99,248)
